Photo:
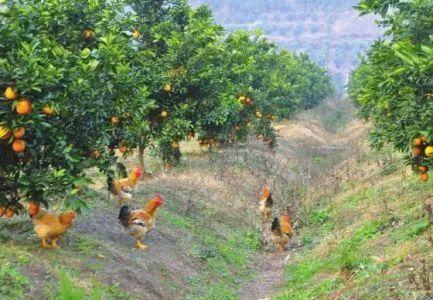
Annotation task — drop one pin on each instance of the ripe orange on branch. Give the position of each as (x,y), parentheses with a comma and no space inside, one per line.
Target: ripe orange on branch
(417,142)
(167,88)
(48,110)
(424,177)
(9,213)
(164,114)
(423,169)
(19,145)
(429,151)
(11,93)
(5,133)
(123,149)
(19,133)
(416,151)
(135,34)
(23,107)
(96,154)
(115,120)
(87,33)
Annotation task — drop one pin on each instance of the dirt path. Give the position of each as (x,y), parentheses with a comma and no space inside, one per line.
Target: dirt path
(270,269)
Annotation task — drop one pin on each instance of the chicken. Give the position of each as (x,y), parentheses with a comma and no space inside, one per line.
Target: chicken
(138,222)
(266,204)
(50,226)
(282,231)
(122,188)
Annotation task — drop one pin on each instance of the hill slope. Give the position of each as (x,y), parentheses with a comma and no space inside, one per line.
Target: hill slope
(208,241)
(369,237)
(362,230)
(331,31)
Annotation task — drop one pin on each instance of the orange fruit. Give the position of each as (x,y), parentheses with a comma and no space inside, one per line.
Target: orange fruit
(23,107)
(5,133)
(174,145)
(48,110)
(424,177)
(123,149)
(96,154)
(416,151)
(33,208)
(11,93)
(167,88)
(19,133)
(135,34)
(417,142)
(164,114)
(87,33)
(19,145)
(2,211)
(423,168)
(115,120)
(429,151)
(9,213)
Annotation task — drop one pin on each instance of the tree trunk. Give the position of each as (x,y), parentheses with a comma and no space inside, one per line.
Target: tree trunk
(141,148)
(141,154)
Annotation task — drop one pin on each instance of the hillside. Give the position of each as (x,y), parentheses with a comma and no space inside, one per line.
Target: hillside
(361,228)
(209,242)
(331,32)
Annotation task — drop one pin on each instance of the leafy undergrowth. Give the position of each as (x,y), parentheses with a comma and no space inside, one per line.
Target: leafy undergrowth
(370,240)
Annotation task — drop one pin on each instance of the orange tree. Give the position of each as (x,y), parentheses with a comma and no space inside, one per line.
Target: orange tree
(204,83)
(66,79)
(393,86)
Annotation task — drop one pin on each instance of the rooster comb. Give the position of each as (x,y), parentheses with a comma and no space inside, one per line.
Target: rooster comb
(138,171)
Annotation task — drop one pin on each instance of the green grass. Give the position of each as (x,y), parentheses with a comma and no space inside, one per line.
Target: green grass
(12,282)
(356,245)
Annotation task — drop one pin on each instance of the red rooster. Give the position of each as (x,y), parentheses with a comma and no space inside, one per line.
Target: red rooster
(266,204)
(282,231)
(122,188)
(138,222)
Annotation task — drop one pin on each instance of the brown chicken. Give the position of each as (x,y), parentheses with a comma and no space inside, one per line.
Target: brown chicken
(122,188)
(282,231)
(138,222)
(266,204)
(50,226)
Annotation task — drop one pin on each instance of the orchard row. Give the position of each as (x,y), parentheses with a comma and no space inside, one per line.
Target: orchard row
(393,87)
(82,79)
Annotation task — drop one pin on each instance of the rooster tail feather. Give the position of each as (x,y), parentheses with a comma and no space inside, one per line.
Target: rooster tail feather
(269,200)
(124,214)
(110,184)
(276,227)
(121,170)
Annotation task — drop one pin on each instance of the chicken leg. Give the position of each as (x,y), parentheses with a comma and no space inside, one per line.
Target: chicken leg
(140,245)
(44,243)
(54,244)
